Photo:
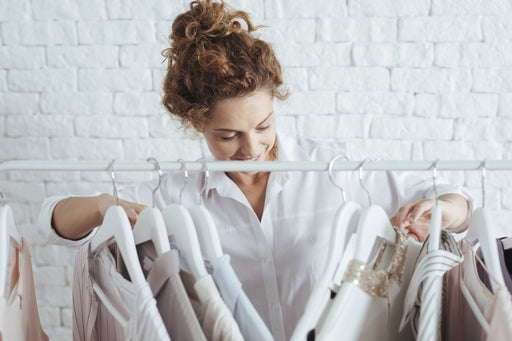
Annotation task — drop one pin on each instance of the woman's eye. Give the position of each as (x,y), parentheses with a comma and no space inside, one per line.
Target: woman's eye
(264,128)
(227,138)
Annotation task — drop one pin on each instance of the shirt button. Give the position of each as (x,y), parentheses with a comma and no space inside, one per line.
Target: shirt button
(268,260)
(274,306)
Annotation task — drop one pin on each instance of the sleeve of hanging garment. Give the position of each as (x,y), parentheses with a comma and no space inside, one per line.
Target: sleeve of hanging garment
(392,190)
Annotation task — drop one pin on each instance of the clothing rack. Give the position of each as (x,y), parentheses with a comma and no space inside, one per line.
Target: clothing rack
(233,166)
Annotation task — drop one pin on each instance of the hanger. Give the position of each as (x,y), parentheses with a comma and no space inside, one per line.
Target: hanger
(481,228)
(426,325)
(203,221)
(373,223)
(179,224)
(8,235)
(351,304)
(150,223)
(116,224)
(343,227)
(435,218)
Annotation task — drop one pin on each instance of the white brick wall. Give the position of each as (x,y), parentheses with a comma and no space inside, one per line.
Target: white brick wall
(80,79)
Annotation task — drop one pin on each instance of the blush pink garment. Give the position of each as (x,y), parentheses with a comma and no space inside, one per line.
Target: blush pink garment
(19,316)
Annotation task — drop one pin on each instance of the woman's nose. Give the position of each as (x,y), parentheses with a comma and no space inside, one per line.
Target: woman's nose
(248,147)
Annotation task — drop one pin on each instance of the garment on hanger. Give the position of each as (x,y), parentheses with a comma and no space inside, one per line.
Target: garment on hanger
(482,274)
(461,322)
(429,264)
(216,320)
(250,323)
(19,316)
(172,300)
(92,320)
(385,280)
(162,274)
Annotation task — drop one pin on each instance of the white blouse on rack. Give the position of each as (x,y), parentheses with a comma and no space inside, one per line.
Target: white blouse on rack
(279,259)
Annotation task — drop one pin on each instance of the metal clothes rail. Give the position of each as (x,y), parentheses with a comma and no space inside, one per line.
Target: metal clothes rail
(231,166)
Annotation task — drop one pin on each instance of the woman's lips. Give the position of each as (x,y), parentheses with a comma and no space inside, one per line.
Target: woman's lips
(253,159)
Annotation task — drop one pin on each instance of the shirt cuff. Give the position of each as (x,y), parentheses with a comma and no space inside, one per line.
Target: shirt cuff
(48,233)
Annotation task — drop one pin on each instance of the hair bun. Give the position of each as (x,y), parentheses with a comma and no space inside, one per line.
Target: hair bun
(209,20)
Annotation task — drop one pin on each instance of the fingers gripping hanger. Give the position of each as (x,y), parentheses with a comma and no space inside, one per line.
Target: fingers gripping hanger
(344,225)
(150,223)
(481,228)
(9,235)
(205,225)
(180,225)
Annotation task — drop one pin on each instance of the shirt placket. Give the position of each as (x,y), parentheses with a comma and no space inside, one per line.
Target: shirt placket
(265,249)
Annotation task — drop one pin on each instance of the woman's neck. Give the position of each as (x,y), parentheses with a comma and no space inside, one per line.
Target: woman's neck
(248,178)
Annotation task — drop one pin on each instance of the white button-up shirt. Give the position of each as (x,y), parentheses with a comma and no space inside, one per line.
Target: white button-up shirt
(278,259)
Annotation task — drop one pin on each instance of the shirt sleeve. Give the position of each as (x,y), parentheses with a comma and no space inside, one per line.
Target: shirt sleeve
(46,230)
(50,236)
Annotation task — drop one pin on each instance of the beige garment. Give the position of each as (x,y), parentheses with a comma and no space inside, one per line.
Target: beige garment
(460,322)
(91,318)
(19,317)
(501,324)
(162,274)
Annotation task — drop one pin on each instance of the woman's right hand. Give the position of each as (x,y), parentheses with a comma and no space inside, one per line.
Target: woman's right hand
(132,209)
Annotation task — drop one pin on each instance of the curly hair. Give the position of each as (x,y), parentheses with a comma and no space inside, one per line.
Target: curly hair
(212,57)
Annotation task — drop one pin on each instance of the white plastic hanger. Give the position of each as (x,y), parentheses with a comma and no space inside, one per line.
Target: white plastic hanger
(150,223)
(204,224)
(179,224)
(481,228)
(9,236)
(436,218)
(116,224)
(344,225)
(352,304)
(427,325)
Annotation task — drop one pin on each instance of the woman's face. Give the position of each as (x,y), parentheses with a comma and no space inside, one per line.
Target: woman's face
(242,128)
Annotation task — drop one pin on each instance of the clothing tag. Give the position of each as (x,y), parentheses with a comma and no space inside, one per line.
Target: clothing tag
(147,263)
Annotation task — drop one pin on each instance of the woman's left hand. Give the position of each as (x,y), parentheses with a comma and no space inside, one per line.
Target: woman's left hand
(415,216)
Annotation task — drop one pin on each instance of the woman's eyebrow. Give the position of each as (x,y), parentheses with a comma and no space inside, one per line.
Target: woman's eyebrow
(266,118)
(234,130)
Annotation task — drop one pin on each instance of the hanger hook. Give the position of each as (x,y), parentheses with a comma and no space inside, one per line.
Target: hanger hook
(206,178)
(185,174)
(159,170)
(483,182)
(329,169)
(434,178)
(113,174)
(361,181)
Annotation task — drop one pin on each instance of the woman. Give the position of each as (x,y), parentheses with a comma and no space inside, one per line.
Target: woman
(221,81)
